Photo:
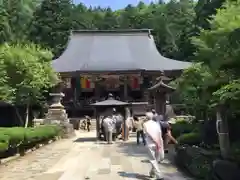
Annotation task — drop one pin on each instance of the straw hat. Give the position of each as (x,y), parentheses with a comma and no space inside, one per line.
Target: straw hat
(149,116)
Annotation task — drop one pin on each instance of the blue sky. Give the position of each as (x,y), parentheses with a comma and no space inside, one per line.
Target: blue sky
(114,4)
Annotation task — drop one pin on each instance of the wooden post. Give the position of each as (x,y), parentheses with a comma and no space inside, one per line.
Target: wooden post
(97,124)
(96,87)
(125,88)
(124,127)
(223,136)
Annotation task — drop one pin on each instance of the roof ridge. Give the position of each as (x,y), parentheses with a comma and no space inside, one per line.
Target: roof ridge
(114,31)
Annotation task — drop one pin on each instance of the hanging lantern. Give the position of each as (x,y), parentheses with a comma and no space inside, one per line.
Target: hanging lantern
(86,83)
(135,82)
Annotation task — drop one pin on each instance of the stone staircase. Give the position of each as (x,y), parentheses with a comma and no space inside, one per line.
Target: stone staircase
(93,125)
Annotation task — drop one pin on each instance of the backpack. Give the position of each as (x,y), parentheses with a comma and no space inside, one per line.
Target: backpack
(164,126)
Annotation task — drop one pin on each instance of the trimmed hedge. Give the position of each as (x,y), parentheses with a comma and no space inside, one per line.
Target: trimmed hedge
(19,137)
(196,161)
(182,127)
(192,138)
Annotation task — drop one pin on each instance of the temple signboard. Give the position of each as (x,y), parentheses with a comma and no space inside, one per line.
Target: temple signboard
(112,83)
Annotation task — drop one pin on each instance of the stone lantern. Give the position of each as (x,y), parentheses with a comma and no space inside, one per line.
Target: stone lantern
(57,114)
(160,92)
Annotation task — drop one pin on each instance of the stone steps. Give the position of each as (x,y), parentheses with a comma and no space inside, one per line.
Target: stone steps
(93,125)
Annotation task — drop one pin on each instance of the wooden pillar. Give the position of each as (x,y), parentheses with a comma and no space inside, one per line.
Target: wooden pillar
(96,89)
(146,93)
(125,88)
(97,124)
(124,127)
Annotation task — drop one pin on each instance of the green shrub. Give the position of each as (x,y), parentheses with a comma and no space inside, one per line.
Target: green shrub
(3,146)
(196,161)
(41,133)
(182,127)
(192,138)
(16,136)
(4,142)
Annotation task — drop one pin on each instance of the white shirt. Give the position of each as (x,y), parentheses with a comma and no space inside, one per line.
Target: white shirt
(109,123)
(153,131)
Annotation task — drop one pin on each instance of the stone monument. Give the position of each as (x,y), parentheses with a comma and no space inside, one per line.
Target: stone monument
(57,115)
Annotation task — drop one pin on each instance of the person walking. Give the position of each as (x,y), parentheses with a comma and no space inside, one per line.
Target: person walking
(88,123)
(109,125)
(167,133)
(138,124)
(155,114)
(154,145)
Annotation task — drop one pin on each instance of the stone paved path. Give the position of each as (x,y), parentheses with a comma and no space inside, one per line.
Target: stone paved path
(84,158)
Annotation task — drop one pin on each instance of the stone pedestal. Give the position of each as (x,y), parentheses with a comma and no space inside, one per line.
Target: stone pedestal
(57,115)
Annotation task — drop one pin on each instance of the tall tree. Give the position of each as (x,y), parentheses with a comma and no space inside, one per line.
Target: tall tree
(205,9)
(26,70)
(15,17)
(51,25)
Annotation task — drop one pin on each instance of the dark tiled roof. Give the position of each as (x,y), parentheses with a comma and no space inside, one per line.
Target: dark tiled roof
(110,102)
(123,50)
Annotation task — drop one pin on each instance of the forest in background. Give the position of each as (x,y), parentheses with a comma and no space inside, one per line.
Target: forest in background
(48,22)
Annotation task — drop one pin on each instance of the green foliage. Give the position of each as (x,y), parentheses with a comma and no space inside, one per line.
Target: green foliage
(15,17)
(5,91)
(51,25)
(171,22)
(19,136)
(48,23)
(192,138)
(205,10)
(41,133)
(196,161)
(15,135)
(216,80)
(192,88)
(28,72)
(182,127)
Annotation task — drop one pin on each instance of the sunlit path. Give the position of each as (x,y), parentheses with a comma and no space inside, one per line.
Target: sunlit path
(88,159)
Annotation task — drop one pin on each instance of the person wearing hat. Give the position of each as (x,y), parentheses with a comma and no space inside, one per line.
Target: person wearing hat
(138,124)
(154,145)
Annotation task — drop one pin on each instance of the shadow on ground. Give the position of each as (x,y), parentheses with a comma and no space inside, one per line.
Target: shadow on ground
(132,149)
(86,139)
(133,175)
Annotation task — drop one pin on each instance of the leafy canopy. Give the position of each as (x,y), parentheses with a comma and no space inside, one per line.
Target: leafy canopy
(28,71)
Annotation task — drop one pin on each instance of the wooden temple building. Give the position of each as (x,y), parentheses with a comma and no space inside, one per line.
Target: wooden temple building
(125,63)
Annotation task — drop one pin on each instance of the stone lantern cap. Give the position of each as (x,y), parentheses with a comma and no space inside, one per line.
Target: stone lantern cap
(110,102)
(57,94)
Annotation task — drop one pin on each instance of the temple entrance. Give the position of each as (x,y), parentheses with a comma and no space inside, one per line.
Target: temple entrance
(88,89)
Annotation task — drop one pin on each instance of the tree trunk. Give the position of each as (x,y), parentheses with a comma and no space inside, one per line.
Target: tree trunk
(223,136)
(27,116)
(19,116)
